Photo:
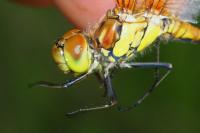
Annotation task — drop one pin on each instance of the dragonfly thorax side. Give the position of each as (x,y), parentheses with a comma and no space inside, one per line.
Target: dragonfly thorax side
(121,35)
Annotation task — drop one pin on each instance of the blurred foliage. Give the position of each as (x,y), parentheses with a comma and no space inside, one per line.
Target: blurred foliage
(27,35)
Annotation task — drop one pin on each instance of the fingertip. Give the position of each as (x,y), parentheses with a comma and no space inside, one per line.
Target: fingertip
(81,13)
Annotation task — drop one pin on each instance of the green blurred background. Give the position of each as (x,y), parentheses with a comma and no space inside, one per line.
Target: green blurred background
(26,36)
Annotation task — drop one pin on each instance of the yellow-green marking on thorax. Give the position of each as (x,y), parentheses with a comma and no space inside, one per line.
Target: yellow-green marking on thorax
(129,35)
(153,31)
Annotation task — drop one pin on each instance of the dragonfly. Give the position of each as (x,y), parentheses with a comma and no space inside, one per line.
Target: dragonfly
(127,30)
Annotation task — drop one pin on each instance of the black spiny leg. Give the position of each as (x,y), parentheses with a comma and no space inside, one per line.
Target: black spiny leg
(156,82)
(53,85)
(111,95)
(110,91)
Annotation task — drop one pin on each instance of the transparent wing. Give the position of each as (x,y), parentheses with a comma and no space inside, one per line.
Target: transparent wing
(190,11)
(186,10)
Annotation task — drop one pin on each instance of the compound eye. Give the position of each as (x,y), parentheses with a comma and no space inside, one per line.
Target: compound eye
(75,46)
(58,56)
(77,53)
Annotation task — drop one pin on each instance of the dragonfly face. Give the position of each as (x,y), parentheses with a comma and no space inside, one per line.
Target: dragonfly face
(128,29)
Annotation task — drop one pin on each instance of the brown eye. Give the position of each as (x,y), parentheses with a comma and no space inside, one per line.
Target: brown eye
(75,46)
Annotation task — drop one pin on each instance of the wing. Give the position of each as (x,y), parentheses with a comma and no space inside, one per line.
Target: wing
(184,9)
(190,11)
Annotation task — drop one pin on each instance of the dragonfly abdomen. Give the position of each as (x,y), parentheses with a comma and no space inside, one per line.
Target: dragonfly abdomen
(183,30)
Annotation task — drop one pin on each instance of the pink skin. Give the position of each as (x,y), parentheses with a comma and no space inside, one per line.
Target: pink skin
(79,12)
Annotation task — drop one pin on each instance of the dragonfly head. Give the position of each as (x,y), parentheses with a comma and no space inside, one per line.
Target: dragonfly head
(72,52)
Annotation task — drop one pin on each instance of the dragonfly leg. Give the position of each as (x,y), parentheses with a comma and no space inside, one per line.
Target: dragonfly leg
(157,70)
(54,85)
(157,81)
(110,94)
(101,80)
